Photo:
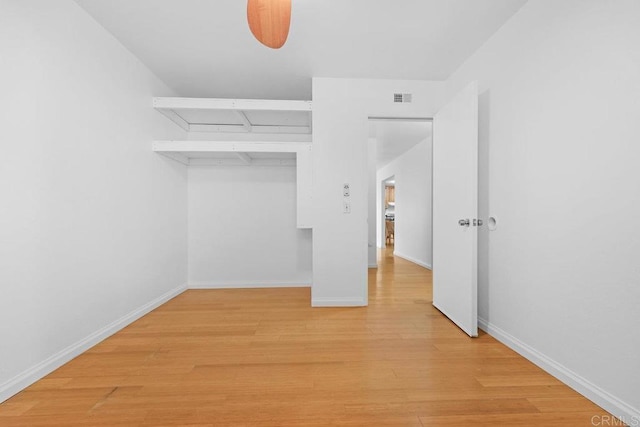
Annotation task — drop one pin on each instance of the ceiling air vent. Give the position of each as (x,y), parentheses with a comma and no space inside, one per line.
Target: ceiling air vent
(401,97)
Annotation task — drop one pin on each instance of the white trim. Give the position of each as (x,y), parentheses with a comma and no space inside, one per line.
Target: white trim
(338,302)
(231,146)
(248,285)
(193,161)
(174,103)
(177,119)
(413,260)
(244,157)
(373,265)
(248,137)
(580,384)
(33,374)
(245,121)
(217,128)
(178,157)
(255,129)
(399,119)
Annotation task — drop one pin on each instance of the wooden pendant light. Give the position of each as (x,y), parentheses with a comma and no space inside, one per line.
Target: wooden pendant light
(269,21)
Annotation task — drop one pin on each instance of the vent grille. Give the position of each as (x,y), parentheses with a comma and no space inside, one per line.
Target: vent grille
(402,97)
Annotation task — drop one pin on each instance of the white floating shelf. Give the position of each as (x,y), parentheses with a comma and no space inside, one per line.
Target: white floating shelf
(237,115)
(230,146)
(208,152)
(173,103)
(252,116)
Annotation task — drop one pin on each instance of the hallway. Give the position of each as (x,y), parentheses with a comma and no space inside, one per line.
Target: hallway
(263,357)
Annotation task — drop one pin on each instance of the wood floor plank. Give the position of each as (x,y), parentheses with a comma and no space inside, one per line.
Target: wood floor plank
(264,357)
(511,420)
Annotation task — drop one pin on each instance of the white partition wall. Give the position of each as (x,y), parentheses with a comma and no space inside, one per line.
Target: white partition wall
(341,108)
(304,187)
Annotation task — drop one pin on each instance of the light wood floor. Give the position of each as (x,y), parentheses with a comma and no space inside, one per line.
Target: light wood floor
(263,357)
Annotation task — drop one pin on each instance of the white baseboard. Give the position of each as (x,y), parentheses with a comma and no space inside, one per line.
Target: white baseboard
(248,285)
(33,374)
(338,302)
(604,399)
(413,260)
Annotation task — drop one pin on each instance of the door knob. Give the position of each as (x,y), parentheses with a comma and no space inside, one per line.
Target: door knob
(464,222)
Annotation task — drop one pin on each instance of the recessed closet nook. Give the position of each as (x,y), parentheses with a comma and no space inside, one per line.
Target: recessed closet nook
(249,189)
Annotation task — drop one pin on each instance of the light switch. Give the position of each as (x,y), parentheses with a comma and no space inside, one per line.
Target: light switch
(346,207)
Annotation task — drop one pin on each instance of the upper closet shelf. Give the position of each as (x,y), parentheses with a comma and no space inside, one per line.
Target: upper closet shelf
(258,116)
(233,152)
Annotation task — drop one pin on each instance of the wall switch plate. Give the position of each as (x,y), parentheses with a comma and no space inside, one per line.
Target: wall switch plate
(346,190)
(346,207)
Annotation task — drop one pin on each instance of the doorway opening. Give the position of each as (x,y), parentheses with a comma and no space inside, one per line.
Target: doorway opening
(451,184)
(400,153)
(389,211)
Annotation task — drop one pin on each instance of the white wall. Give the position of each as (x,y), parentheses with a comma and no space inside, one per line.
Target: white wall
(93,225)
(559,151)
(412,171)
(242,228)
(340,136)
(372,221)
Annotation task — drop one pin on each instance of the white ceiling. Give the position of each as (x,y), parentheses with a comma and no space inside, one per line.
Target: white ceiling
(394,138)
(203,48)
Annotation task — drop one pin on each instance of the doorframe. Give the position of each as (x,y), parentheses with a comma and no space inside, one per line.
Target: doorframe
(372,118)
(381,212)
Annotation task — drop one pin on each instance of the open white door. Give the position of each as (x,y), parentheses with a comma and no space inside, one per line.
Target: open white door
(455,210)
